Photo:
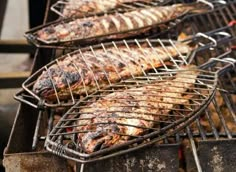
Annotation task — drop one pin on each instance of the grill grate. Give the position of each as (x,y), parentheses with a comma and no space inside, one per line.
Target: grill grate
(216,123)
(220,18)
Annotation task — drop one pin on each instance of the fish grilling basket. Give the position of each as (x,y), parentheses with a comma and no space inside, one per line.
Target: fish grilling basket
(65,80)
(134,113)
(71,32)
(88,70)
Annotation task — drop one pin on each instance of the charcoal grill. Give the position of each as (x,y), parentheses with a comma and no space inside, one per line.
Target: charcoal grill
(22,153)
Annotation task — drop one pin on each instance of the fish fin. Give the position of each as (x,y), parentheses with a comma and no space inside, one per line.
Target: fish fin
(182,36)
(187,39)
(188,67)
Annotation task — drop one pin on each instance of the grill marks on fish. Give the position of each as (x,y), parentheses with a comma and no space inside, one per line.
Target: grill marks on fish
(118,116)
(111,24)
(82,7)
(84,72)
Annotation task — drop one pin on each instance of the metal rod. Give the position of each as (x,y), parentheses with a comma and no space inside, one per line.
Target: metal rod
(36,132)
(82,167)
(221,118)
(194,150)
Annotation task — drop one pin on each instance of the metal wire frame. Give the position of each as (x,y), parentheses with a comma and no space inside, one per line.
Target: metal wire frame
(203,133)
(139,44)
(214,134)
(225,16)
(30,35)
(124,7)
(207,128)
(38,102)
(215,123)
(220,18)
(56,140)
(52,113)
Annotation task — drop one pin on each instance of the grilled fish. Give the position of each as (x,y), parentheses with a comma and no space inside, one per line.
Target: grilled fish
(87,72)
(82,7)
(115,118)
(135,22)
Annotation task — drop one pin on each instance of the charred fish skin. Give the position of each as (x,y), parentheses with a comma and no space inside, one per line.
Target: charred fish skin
(78,8)
(116,117)
(110,24)
(100,68)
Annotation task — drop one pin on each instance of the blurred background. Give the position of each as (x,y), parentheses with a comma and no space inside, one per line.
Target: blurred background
(14,21)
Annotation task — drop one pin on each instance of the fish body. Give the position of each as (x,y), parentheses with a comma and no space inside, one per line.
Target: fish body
(133,22)
(78,8)
(95,69)
(119,116)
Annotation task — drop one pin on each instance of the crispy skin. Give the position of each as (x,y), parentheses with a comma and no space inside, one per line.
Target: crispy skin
(133,22)
(134,108)
(80,8)
(113,65)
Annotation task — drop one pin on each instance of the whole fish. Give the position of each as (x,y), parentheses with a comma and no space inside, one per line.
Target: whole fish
(119,116)
(78,8)
(95,69)
(135,22)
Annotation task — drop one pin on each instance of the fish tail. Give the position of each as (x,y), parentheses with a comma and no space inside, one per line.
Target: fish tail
(194,8)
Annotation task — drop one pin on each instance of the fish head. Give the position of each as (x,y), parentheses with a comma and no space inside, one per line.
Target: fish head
(103,137)
(47,34)
(54,75)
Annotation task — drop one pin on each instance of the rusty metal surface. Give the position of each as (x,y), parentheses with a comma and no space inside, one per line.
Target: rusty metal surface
(189,163)
(36,162)
(22,131)
(162,158)
(218,156)
(214,156)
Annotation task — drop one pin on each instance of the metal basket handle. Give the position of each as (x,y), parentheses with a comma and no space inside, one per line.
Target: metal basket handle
(57,5)
(210,4)
(230,64)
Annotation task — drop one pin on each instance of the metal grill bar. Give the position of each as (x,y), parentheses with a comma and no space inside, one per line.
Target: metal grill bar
(220,115)
(121,8)
(222,119)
